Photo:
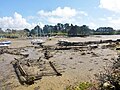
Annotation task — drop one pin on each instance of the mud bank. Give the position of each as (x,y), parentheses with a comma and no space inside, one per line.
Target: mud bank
(76,65)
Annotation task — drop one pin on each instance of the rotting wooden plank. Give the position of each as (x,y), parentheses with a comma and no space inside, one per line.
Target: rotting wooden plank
(24,77)
(21,78)
(57,73)
(21,70)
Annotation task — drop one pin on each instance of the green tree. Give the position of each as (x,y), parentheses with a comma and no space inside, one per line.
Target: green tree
(84,30)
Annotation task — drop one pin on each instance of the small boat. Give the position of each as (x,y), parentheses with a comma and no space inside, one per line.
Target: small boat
(63,40)
(4,45)
(37,41)
(5,42)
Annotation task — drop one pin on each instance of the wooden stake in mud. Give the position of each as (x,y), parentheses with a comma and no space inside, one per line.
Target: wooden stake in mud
(57,73)
(47,56)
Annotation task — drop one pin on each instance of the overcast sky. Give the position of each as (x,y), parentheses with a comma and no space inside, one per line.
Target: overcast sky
(20,14)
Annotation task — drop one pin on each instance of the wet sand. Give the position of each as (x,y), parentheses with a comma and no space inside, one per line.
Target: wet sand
(76,66)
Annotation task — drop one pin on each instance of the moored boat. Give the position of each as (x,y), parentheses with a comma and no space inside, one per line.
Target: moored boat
(5,43)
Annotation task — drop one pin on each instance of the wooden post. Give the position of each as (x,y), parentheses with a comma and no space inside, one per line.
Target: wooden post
(51,64)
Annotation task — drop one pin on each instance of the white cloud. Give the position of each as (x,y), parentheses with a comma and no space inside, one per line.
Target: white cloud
(115,23)
(30,17)
(112,5)
(15,22)
(83,13)
(92,25)
(61,15)
(111,21)
(102,19)
(65,12)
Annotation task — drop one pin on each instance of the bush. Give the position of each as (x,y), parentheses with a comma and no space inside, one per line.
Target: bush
(80,86)
(110,80)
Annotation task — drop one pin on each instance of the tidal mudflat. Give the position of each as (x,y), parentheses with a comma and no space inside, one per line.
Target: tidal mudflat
(76,65)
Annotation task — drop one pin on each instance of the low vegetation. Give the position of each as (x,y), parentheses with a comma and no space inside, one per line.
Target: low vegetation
(82,86)
(110,80)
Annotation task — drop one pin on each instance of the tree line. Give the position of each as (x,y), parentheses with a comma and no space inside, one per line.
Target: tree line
(61,29)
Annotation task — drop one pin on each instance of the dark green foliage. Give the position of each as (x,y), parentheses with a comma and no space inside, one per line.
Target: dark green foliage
(37,31)
(62,29)
(79,31)
(117,32)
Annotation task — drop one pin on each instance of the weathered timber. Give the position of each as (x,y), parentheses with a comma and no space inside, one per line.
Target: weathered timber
(21,78)
(47,54)
(1,51)
(21,69)
(26,78)
(93,47)
(71,43)
(118,40)
(57,73)
(62,48)
(21,73)
(118,48)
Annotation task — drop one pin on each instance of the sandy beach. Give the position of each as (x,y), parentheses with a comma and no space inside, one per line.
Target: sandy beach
(76,65)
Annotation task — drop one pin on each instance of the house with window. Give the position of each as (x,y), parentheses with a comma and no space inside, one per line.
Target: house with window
(104,31)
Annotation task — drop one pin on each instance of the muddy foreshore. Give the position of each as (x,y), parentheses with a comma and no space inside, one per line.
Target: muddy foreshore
(76,65)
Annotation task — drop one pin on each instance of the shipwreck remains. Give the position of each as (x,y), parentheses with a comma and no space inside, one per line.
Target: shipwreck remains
(29,71)
(77,43)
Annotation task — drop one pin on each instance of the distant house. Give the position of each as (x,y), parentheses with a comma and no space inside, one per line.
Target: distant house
(105,30)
